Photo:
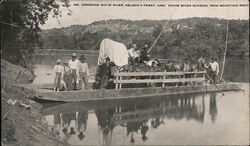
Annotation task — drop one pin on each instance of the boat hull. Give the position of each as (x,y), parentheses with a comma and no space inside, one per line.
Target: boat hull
(88,95)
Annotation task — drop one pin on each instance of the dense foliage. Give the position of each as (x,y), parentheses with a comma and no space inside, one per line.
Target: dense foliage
(20,24)
(184,38)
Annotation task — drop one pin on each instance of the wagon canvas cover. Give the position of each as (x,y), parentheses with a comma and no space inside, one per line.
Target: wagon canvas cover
(117,52)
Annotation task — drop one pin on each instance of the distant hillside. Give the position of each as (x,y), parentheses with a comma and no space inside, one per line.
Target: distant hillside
(182,38)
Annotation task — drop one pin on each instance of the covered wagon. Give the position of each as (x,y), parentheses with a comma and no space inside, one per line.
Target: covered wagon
(112,55)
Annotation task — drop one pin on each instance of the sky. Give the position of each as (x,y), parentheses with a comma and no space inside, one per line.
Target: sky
(86,14)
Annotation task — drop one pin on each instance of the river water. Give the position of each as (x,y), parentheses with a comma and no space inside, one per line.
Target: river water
(186,119)
(192,119)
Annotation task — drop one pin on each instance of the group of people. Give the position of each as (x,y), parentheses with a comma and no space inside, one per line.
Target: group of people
(212,68)
(138,55)
(69,74)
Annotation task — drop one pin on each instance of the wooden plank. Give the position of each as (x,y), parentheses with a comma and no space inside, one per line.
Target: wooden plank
(156,73)
(160,80)
(126,74)
(195,72)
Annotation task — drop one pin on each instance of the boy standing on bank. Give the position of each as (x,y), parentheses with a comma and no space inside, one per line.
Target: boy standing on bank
(58,74)
(84,72)
(74,67)
(66,76)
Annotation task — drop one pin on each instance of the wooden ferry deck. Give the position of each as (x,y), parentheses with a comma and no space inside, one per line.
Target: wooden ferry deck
(86,95)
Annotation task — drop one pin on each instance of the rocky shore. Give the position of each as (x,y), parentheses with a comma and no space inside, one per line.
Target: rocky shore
(20,118)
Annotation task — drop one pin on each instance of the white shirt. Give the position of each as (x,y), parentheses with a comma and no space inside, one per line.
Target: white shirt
(215,66)
(149,63)
(74,64)
(58,69)
(131,52)
(137,53)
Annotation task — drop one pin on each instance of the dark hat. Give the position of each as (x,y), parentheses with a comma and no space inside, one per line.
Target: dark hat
(82,57)
(81,135)
(107,59)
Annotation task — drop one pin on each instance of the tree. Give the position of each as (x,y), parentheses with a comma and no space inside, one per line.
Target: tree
(20,24)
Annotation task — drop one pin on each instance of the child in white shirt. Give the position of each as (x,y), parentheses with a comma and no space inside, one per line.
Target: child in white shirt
(58,74)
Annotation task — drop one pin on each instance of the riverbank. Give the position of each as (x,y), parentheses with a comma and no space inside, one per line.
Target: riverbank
(21,120)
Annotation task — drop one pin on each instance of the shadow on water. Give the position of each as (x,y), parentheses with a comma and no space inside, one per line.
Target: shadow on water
(133,117)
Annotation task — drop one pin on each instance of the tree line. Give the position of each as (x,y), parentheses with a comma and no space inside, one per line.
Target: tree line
(184,38)
(20,25)
(21,21)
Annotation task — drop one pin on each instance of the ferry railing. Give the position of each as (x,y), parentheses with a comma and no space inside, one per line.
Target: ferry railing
(158,77)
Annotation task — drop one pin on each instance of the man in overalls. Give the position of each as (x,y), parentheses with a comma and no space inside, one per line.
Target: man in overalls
(74,66)
(84,72)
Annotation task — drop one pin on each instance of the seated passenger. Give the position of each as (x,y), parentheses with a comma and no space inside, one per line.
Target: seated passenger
(144,54)
(84,72)
(134,54)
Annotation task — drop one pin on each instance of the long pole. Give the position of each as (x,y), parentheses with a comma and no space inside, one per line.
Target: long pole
(160,33)
(225,53)
(214,84)
(158,37)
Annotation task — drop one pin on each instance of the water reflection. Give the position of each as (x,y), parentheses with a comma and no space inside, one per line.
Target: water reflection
(106,124)
(136,117)
(212,106)
(81,124)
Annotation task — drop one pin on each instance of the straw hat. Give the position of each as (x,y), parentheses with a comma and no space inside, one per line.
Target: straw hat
(58,61)
(65,62)
(74,55)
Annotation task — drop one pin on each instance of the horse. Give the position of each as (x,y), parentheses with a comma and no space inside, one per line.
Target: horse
(181,66)
(189,67)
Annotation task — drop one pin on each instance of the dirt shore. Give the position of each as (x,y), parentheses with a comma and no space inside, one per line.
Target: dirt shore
(21,122)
